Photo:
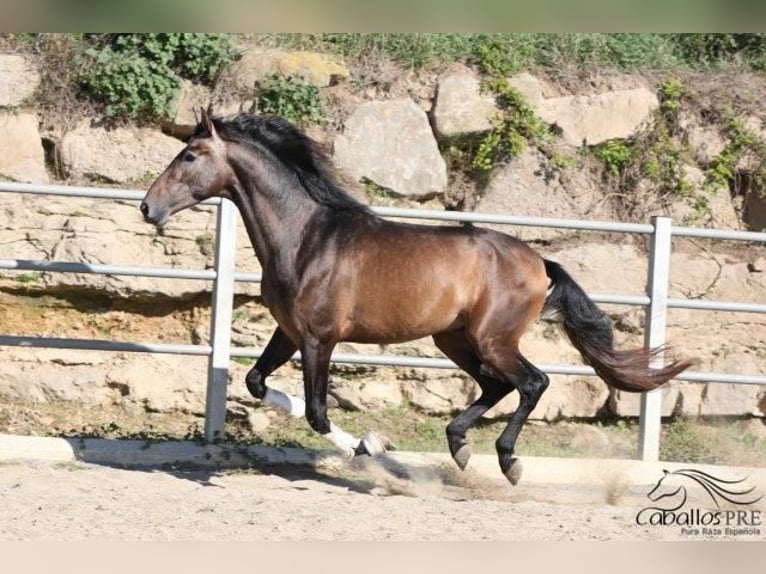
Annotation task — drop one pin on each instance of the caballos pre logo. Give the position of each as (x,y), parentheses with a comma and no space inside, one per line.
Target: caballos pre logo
(733,500)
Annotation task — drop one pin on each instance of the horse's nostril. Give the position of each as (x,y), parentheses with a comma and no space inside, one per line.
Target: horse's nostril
(144,208)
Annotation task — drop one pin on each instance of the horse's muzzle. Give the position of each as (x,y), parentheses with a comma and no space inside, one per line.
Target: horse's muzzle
(150,217)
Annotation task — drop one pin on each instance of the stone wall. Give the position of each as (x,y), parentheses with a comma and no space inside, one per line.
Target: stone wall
(394,143)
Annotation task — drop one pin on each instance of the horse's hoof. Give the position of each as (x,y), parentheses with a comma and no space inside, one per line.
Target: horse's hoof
(513,472)
(373,444)
(462,456)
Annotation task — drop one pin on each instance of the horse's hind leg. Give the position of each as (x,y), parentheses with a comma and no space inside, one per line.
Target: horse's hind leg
(456,346)
(531,382)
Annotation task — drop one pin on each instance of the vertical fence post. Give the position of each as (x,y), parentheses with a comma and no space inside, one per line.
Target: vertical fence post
(654,335)
(220,328)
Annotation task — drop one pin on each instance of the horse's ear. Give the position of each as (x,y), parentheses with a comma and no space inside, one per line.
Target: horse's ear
(207,122)
(665,471)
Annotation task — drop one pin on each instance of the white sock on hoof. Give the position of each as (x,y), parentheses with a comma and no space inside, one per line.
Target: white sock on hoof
(343,441)
(295,406)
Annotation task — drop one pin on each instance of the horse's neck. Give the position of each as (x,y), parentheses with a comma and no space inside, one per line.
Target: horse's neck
(275,226)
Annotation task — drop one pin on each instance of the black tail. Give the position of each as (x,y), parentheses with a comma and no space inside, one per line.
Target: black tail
(590,331)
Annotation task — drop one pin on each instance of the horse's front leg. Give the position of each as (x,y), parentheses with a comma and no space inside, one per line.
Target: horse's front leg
(315,357)
(278,351)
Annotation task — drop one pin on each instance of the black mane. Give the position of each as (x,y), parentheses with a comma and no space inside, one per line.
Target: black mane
(298,152)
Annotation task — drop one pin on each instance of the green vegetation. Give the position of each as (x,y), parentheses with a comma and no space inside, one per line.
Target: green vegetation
(742,142)
(131,76)
(682,441)
(290,98)
(31,277)
(715,441)
(614,154)
(693,441)
(711,50)
(722,440)
(206,238)
(672,94)
(136,76)
(655,156)
(409,50)
(377,192)
(502,54)
(517,127)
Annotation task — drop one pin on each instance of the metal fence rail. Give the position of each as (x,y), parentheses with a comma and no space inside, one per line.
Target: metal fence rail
(224,275)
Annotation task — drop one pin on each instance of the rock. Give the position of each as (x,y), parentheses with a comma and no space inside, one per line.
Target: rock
(526,186)
(720,278)
(624,404)
(691,395)
(368,394)
(564,398)
(18,79)
(314,68)
(23,157)
(705,143)
(716,209)
(758,265)
(125,154)
(596,119)
(529,86)
(88,231)
(442,395)
(258,421)
(66,357)
(727,399)
(185,109)
(573,398)
(754,210)
(16,387)
(51,375)
(391,144)
(593,266)
(174,383)
(461,109)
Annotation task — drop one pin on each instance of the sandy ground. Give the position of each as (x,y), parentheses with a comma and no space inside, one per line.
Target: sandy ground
(74,501)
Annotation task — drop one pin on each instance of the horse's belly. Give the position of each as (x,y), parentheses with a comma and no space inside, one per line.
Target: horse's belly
(399,326)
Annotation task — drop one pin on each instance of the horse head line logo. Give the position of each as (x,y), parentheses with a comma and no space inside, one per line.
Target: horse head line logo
(717,488)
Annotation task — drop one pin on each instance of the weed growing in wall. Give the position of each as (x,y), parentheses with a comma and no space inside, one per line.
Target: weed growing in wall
(290,98)
(516,127)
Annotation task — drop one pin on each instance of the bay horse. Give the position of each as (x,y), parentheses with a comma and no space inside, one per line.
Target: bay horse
(334,271)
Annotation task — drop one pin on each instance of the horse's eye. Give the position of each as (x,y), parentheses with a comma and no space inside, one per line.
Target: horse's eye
(188,156)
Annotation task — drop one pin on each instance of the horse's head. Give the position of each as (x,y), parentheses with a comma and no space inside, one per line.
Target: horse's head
(665,487)
(198,172)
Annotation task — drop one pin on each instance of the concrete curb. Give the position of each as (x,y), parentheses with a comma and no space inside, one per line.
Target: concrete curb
(537,470)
